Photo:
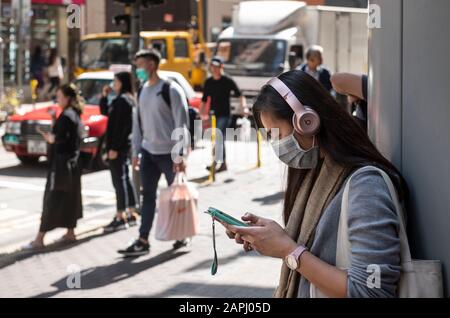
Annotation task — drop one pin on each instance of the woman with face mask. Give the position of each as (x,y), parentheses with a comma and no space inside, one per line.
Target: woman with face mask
(322,146)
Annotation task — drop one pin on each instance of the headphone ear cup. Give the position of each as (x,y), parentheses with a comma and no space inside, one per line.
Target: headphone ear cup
(306,123)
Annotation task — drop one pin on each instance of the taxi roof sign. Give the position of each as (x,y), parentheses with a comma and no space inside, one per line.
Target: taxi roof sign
(118,68)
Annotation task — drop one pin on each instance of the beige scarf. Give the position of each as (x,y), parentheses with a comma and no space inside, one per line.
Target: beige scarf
(314,196)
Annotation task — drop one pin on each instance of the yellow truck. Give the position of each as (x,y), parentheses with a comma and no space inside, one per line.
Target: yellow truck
(101,50)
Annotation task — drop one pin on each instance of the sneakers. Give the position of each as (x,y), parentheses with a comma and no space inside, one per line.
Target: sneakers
(132,219)
(183,243)
(138,248)
(116,225)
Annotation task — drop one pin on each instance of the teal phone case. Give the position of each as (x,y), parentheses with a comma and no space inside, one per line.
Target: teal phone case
(219,215)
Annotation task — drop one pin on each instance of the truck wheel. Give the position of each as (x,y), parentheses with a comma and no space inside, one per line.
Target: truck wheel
(100,161)
(25,160)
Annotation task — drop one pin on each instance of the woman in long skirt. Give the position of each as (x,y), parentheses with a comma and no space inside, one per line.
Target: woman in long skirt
(62,199)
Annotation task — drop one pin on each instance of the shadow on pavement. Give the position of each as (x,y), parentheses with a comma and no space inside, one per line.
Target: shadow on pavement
(213,291)
(7,259)
(97,277)
(222,261)
(199,180)
(270,199)
(39,170)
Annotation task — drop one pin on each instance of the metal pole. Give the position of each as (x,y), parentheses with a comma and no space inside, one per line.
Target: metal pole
(212,170)
(258,149)
(2,82)
(135,28)
(200,24)
(20,48)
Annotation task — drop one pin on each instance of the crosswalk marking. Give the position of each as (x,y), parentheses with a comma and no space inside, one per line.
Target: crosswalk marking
(15,220)
(8,214)
(20,222)
(40,188)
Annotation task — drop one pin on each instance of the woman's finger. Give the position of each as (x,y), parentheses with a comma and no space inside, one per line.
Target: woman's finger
(248,247)
(225,225)
(230,234)
(254,219)
(245,231)
(249,217)
(238,239)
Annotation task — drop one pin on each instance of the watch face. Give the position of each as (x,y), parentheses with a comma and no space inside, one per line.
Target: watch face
(291,262)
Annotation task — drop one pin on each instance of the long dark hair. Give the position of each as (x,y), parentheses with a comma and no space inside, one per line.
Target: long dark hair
(75,100)
(53,56)
(37,54)
(126,79)
(340,136)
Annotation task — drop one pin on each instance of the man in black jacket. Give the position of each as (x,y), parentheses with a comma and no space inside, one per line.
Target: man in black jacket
(314,67)
(218,89)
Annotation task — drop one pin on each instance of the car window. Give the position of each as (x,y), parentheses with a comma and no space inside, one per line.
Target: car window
(160,45)
(181,47)
(91,90)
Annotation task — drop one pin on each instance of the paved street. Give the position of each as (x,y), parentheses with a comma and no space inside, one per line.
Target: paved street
(162,273)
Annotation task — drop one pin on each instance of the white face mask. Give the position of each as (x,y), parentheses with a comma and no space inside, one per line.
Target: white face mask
(290,153)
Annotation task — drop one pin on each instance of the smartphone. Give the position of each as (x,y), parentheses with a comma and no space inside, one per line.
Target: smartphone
(222,216)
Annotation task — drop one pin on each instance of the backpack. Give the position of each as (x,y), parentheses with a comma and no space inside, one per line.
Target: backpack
(165,94)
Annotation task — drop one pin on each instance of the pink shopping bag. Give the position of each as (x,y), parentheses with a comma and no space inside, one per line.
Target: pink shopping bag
(177,214)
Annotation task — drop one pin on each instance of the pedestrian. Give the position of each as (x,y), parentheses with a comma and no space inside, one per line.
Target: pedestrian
(218,88)
(37,66)
(118,145)
(154,151)
(62,198)
(55,71)
(355,86)
(322,148)
(314,67)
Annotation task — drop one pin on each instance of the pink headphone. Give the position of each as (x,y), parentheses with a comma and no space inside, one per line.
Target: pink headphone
(306,121)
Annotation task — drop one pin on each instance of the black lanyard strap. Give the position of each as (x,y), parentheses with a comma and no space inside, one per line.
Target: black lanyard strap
(215,263)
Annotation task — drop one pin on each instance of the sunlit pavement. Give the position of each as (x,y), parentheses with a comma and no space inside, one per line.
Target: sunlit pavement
(162,273)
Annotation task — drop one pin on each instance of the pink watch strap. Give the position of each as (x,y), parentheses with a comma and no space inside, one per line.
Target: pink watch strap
(298,252)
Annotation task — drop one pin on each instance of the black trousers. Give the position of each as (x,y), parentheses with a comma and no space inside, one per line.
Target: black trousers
(125,195)
(54,83)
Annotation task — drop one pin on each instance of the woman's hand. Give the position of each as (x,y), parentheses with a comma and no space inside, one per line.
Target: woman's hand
(247,246)
(49,138)
(112,155)
(265,236)
(106,90)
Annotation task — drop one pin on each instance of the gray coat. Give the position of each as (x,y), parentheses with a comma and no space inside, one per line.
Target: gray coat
(373,232)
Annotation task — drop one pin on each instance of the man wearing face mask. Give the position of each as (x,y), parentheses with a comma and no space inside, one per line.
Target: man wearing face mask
(155,119)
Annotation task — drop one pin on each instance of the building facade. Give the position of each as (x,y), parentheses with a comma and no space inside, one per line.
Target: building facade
(28,24)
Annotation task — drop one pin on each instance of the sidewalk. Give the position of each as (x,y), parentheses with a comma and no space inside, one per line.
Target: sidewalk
(164,272)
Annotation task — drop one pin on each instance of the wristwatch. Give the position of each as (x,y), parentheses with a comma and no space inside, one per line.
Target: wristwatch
(293,260)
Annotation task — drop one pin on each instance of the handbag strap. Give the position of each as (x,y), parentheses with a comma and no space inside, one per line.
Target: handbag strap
(180,178)
(343,248)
